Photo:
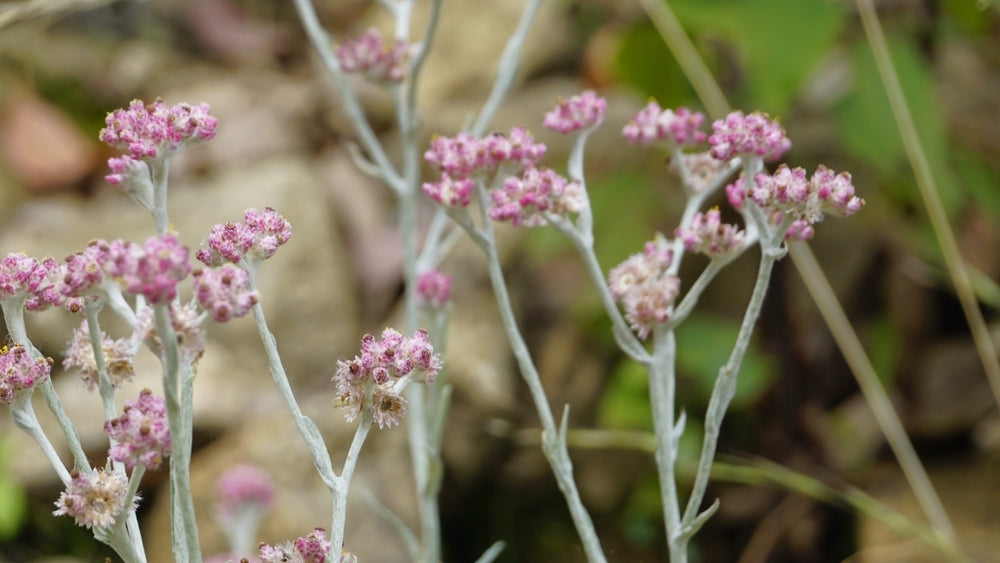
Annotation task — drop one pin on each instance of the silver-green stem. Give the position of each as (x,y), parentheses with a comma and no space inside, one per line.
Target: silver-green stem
(184,529)
(553,438)
(662,384)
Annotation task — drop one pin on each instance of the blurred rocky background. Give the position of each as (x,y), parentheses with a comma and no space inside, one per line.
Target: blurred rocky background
(282,143)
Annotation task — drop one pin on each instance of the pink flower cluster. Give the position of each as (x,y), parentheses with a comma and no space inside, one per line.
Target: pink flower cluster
(652,124)
(244,486)
(789,193)
(754,134)
(224,292)
(156,130)
(38,282)
(523,200)
(582,111)
(152,131)
(141,434)
(433,289)
(94,498)
(152,269)
(462,157)
(118,357)
(708,235)
(370,55)
(256,238)
(368,380)
(644,287)
(313,548)
(19,371)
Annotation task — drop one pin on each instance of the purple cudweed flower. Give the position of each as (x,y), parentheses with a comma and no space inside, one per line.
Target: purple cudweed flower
(118,357)
(448,191)
(256,238)
(223,292)
(653,124)
(155,130)
(460,156)
(310,549)
(524,200)
(368,380)
(517,147)
(370,55)
(94,499)
(708,235)
(244,487)
(153,269)
(754,133)
(644,287)
(186,322)
(141,432)
(701,169)
(19,371)
(433,289)
(582,111)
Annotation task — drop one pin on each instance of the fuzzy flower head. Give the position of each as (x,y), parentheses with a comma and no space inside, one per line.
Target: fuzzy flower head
(368,381)
(582,111)
(223,292)
(87,269)
(803,201)
(699,170)
(433,289)
(244,487)
(141,435)
(28,282)
(371,56)
(463,158)
(118,357)
(94,499)
(708,235)
(652,124)
(187,326)
(152,269)
(754,134)
(645,288)
(156,130)
(20,372)
(309,549)
(524,200)
(257,238)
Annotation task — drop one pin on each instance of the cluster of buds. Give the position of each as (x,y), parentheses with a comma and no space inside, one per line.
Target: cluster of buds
(463,157)
(433,289)
(256,238)
(653,124)
(524,200)
(20,372)
(645,287)
(313,548)
(95,499)
(582,111)
(751,134)
(141,435)
(708,235)
(153,131)
(369,380)
(153,269)
(790,196)
(36,283)
(224,292)
(371,56)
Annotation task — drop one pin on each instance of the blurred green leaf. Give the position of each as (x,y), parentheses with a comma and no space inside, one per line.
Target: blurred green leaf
(867,128)
(625,403)
(703,346)
(779,42)
(644,62)
(882,340)
(13,502)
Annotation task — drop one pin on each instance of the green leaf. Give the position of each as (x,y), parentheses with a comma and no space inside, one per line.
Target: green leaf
(780,43)
(868,131)
(13,502)
(703,346)
(625,403)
